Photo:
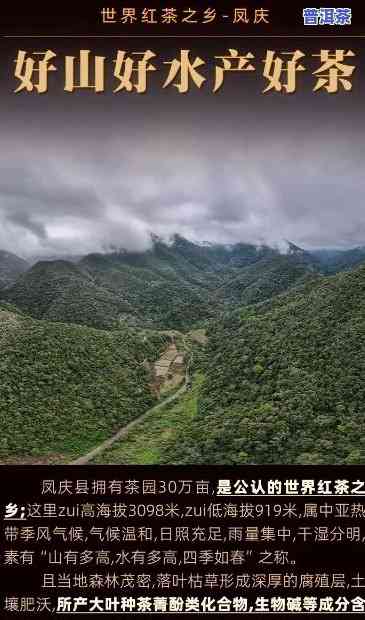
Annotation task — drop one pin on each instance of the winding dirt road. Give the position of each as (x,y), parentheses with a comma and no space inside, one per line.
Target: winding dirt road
(123,432)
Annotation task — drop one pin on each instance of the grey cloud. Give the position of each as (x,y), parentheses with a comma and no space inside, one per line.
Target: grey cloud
(24,220)
(54,199)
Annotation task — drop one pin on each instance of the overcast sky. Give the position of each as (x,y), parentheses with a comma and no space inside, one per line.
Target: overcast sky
(82,173)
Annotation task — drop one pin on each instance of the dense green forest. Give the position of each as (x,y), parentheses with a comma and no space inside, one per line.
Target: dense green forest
(174,286)
(265,279)
(65,387)
(284,380)
(280,379)
(60,291)
(11,267)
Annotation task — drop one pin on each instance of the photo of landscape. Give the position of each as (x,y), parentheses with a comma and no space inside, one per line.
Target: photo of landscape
(182,276)
(254,341)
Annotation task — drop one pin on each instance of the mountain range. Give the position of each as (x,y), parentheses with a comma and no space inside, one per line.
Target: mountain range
(170,286)
(280,379)
(284,380)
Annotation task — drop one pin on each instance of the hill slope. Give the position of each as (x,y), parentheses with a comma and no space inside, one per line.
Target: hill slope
(179,285)
(266,278)
(285,380)
(65,387)
(158,293)
(171,286)
(340,260)
(11,267)
(60,291)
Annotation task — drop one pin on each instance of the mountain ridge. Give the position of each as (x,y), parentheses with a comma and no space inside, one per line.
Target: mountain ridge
(173,286)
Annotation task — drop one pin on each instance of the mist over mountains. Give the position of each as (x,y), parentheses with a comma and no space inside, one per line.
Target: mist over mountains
(173,285)
(283,363)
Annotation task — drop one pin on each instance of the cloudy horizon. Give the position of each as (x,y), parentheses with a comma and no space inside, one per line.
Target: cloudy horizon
(262,193)
(80,173)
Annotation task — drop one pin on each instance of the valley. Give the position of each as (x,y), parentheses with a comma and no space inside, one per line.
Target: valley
(185,353)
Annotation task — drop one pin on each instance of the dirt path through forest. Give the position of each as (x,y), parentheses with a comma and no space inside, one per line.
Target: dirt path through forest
(123,432)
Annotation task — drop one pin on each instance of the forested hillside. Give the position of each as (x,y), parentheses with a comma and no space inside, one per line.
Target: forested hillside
(160,293)
(284,380)
(11,267)
(280,381)
(265,279)
(60,291)
(334,261)
(65,387)
(171,286)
